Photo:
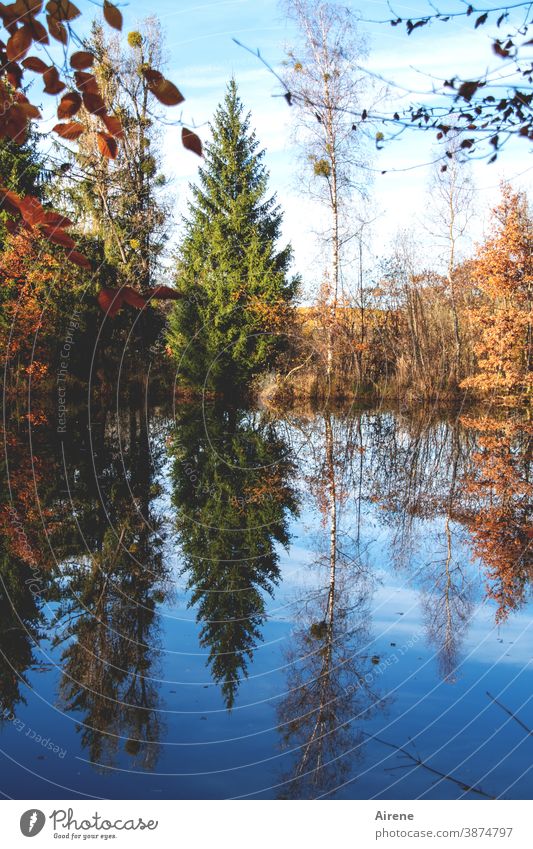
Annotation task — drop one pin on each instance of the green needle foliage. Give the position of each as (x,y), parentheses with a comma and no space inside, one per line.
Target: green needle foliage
(21,171)
(234,498)
(238,292)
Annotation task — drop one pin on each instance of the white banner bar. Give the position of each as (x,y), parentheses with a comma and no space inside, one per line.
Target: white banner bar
(264,824)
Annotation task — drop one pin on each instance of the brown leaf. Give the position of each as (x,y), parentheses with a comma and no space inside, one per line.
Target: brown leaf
(32,210)
(38,31)
(113,125)
(54,219)
(110,301)
(57,236)
(86,82)
(26,8)
(468,89)
(19,43)
(9,14)
(79,259)
(16,126)
(62,10)
(33,63)
(30,111)
(112,15)
(14,73)
(499,49)
(93,103)
(57,30)
(11,226)
(166,92)
(164,293)
(151,75)
(191,141)
(52,83)
(70,131)
(69,104)
(133,298)
(107,145)
(81,60)
(9,201)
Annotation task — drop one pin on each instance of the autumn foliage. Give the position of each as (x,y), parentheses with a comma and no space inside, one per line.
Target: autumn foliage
(501,530)
(502,316)
(30,272)
(28,24)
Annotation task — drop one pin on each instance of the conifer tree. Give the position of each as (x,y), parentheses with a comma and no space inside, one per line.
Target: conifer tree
(234,277)
(21,171)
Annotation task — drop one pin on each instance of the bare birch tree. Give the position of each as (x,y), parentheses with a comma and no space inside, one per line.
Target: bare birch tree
(325,81)
(451,209)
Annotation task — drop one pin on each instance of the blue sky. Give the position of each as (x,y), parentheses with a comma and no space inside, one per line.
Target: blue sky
(203,56)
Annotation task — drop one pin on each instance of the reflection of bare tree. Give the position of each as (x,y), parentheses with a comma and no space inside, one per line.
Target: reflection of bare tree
(448,592)
(447,606)
(416,479)
(329,688)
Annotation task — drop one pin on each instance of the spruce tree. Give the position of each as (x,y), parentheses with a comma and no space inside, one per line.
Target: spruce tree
(238,292)
(21,171)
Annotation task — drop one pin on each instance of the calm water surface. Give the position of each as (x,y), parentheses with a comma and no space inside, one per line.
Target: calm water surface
(231,603)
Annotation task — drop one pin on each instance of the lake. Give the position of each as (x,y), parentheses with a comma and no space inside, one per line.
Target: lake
(213,602)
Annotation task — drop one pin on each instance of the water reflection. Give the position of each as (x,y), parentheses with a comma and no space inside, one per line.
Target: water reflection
(94,521)
(329,687)
(232,489)
(112,581)
(499,480)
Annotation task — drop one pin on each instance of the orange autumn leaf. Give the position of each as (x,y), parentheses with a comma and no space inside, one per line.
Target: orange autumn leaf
(107,145)
(113,125)
(94,103)
(70,131)
(69,105)
(57,236)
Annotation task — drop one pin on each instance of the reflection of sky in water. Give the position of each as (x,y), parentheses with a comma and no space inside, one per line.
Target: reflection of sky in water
(208,752)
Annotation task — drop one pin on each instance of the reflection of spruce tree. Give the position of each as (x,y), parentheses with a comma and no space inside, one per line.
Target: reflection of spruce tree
(20,624)
(27,503)
(107,666)
(110,617)
(231,485)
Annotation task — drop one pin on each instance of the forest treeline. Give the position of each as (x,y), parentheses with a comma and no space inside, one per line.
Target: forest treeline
(236,318)
(423,335)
